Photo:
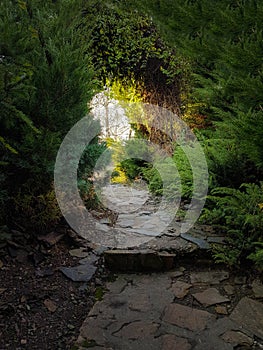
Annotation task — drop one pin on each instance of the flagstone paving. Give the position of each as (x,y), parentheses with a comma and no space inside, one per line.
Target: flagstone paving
(148,223)
(175,310)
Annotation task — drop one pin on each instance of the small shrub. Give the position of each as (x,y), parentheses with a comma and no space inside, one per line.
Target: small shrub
(185,172)
(238,214)
(132,167)
(228,166)
(152,176)
(37,213)
(136,154)
(173,186)
(88,194)
(118,176)
(257,256)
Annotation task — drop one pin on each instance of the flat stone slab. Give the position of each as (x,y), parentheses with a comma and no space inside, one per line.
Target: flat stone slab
(208,277)
(249,314)
(172,342)
(229,289)
(81,273)
(129,315)
(210,296)
(180,289)
(177,245)
(146,231)
(90,259)
(144,224)
(257,288)
(237,338)
(210,338)
(140,311)
(202,244)
(187,317)
(123,199)
(136,330)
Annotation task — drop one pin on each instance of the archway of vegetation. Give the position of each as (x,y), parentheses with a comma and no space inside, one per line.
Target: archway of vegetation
(56,55)
(136,64)
(210,75)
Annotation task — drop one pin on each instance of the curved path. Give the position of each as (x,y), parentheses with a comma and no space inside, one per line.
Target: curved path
(145,222)
(190,307)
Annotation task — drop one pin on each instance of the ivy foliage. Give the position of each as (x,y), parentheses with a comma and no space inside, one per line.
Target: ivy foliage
(126,45)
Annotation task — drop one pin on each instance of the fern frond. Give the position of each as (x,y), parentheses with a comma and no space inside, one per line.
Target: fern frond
(8,146)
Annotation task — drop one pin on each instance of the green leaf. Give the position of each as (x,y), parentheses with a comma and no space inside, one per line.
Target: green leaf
(7,146)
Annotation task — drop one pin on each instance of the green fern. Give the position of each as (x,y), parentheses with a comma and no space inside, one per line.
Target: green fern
(8,146)
(257,256)
(238,213)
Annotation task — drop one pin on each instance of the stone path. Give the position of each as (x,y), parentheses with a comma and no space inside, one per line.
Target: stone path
(188,307)
(181,310)
(145,223)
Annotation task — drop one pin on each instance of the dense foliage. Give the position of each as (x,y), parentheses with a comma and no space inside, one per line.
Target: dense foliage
(238,214)
(46,83)
(201,59)
(223,42)
(125,44)
(127,47)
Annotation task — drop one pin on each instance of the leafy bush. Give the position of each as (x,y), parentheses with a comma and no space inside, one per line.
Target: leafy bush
(173,185)
(238,214)
(133,168)
(88,194)
(257,256)
(46,82)
(118,176)
(136,154)
(228,164)
(38,213)
(154,180)
(185,172)
(226,61)
(87,163)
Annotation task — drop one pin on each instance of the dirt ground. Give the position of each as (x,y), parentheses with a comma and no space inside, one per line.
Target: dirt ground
(40,308)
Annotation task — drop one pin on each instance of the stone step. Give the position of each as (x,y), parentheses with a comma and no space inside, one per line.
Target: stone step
(138,260)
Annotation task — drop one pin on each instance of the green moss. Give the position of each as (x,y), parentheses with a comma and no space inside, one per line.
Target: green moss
(89,343)
(99,293)
(75,347)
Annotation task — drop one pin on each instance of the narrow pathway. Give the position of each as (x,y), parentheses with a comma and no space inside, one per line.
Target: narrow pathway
(180,310)
(146,223)
(188,306)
